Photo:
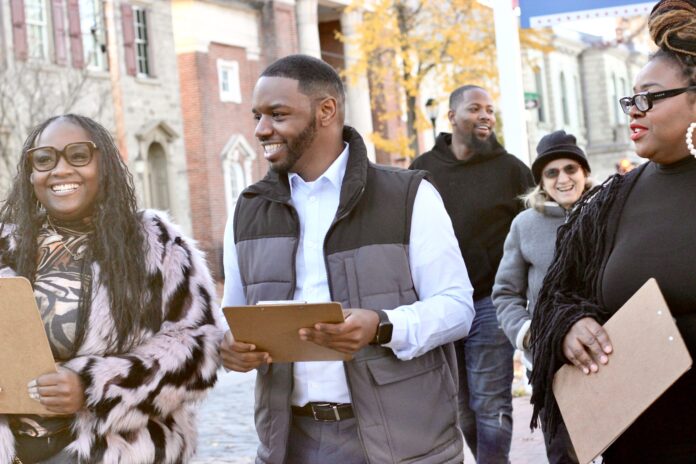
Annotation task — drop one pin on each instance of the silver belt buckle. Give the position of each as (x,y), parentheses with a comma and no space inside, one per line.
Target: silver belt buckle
(332,406)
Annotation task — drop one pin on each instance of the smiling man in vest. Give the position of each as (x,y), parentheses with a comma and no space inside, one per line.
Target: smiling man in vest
(325,224)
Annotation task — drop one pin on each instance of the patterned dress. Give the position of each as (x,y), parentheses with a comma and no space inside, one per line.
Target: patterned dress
(57,289)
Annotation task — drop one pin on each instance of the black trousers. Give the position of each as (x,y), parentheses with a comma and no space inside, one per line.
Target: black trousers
(44,450)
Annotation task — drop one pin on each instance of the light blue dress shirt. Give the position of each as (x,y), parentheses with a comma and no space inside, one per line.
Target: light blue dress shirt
(443,314)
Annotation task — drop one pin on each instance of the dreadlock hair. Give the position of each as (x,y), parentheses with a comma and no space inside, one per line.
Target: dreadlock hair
(572,287)
(117,244)
(672,26)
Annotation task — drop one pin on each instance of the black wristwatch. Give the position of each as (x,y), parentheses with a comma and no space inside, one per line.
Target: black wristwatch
(384,329)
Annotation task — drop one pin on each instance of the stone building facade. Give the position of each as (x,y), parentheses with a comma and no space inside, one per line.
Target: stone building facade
(113,60)
(578,85)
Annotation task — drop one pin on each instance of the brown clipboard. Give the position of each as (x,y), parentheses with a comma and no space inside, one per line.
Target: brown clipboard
(274,328)
(648,356)
(24,350)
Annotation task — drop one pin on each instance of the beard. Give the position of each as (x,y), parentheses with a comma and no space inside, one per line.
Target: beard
(477,145)
(296,147)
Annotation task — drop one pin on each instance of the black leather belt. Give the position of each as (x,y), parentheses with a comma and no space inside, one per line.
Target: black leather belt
(325,412)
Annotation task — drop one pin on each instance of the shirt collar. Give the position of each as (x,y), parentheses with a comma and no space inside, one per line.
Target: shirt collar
(334,174)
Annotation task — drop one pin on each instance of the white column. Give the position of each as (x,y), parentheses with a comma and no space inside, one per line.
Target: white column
(308,27)
(358,104)
(507,41)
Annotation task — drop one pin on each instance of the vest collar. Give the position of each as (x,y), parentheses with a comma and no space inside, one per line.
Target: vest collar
(275,187)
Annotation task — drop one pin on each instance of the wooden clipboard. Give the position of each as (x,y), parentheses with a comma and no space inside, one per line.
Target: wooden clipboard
(24,350)
(274,328)
(648,356)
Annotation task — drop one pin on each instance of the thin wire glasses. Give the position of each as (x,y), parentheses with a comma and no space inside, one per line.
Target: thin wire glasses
(77,154)
(644,101)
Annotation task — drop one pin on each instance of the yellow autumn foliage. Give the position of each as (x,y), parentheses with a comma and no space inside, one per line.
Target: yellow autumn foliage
(401,44)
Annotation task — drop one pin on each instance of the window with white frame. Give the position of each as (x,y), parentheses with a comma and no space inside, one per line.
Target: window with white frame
(578,101)
(615,98)
(141,42)
(36,14)
(237,158)
(539,84)
(564,100)
(93,33)
(233,173)
(228,78)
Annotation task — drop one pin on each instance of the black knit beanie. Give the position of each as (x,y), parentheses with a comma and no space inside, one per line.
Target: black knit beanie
(554,146)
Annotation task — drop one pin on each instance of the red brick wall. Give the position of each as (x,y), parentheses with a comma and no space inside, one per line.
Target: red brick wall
(331,48)
(208,125)
(285,30)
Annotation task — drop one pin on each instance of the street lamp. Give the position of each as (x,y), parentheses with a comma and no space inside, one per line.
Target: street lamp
(431,107)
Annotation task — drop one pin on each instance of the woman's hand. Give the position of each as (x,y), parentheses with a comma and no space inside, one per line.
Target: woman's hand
(61,392)
(587,345)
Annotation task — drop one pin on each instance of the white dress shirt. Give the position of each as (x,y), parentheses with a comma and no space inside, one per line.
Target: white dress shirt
(443,314)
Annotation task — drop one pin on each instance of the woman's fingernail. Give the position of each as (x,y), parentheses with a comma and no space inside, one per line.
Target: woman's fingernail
(607,349)
(32,384)
(585,370)
(604,359)
(594,368)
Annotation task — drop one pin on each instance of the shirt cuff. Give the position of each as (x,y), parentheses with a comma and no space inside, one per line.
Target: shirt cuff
(519,341)
(399,322)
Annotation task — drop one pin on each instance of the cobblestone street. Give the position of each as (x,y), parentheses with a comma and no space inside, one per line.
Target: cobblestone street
(227,435)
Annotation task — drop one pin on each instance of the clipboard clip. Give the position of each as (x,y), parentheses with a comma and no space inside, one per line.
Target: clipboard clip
(279,302)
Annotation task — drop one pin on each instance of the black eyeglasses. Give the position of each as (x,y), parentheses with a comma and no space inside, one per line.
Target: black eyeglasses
(77,154)
(644,100)
(569,169)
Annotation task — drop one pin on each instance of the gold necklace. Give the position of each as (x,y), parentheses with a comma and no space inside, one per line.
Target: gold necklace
(75,257)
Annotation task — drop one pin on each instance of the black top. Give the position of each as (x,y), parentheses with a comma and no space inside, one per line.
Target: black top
(481,196)
(656,237)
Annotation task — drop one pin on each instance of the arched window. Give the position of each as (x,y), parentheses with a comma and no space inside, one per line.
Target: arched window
(237,158)
(158,180)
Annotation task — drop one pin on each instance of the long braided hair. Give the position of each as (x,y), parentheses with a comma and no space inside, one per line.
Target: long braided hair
(117,244)
(572,286)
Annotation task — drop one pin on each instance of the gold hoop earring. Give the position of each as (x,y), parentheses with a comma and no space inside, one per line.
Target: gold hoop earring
(690,138)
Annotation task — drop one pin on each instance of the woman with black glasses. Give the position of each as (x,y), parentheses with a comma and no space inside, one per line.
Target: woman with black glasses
(561,173)
(634,227)
(126,301)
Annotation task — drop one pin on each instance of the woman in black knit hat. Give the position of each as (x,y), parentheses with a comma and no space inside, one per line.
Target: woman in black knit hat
(561,172)
(632,228)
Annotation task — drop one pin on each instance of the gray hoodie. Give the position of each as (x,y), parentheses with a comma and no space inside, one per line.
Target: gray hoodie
(527,254)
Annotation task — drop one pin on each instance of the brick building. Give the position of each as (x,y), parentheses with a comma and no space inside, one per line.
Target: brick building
(218,67)
(113,60)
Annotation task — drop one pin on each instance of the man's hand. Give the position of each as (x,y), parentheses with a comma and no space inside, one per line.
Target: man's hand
(357,331)
(241,357)
(586,345)
(61,392)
